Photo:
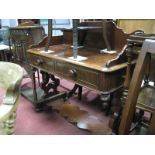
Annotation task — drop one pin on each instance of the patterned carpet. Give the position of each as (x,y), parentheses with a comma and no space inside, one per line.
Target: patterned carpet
(30,122)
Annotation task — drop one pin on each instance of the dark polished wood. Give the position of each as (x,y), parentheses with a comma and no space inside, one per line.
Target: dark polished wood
(100,77)
(93,38)
(76,87)
(56,40)
(100,71)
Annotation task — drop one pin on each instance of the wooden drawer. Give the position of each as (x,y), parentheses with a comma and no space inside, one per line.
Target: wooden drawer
(75,73)
(63,69)
(81,75)
(88,77)
(42,62)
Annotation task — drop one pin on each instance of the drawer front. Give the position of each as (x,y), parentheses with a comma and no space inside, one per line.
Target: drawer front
(42,62)
(81,75)
(63,69)
(88,77)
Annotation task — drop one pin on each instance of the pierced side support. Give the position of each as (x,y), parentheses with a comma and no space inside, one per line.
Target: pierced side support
(73,91)
(50,87)
(47,86)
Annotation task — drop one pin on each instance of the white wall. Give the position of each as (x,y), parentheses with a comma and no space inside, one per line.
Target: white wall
(5,23)
(57,23)
(9,22)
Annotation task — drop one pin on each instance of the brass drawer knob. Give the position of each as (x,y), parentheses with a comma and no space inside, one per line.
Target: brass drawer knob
(39,62)
(73,72)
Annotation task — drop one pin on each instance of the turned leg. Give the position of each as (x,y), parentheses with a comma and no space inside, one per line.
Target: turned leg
(106,102)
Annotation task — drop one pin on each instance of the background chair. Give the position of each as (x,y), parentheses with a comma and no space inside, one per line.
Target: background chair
(22,38)
(146,97)
(10,80)
(141,97)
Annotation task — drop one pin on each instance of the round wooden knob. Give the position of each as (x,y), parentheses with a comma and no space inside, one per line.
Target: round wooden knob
(73,72)
(39,61)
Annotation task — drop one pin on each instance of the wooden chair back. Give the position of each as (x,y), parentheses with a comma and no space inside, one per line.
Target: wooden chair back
(22,37)
(148,49)
(20,43)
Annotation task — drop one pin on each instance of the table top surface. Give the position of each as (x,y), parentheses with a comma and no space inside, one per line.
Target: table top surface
(95,59)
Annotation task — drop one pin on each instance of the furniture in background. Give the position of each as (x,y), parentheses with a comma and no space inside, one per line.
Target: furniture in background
(33,21)
(22,37)
(130,25)
(134,45)
(10,80)
(144,95)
